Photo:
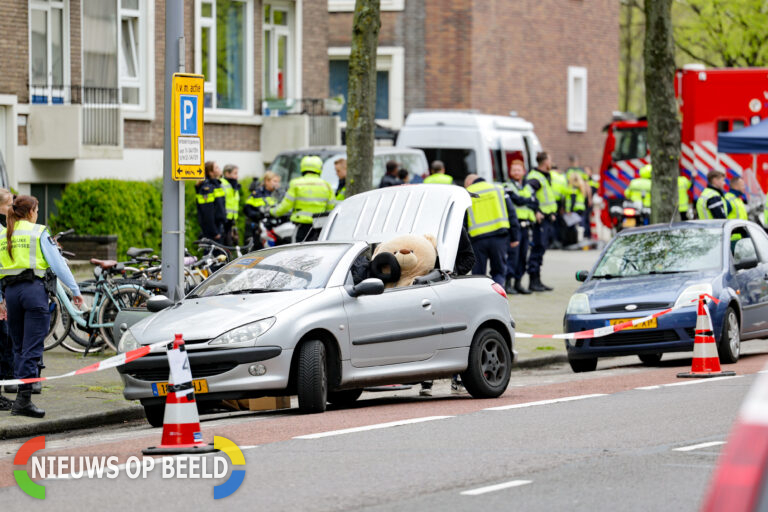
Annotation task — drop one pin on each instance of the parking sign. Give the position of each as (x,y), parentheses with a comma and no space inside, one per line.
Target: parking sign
(187,127)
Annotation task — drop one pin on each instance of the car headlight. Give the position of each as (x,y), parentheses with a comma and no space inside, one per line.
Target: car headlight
(245,334)
(578,305)
(692,293)
(127,342)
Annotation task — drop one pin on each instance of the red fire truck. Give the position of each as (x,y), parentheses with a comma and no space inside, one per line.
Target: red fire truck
(711,101)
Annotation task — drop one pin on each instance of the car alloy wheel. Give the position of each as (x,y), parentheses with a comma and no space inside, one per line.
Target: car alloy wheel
(490,365)
(730,339)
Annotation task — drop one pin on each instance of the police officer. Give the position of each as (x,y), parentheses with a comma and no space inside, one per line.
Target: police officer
(437,174)
(306,196)
(261,196)
(231,189)
(683,202)
(6,345)
(737,199)
(340,166)
(524,208)
(711,203)
(26,252)
(639,189)
(539,186)
(586,177)
(492,226)
(211,205)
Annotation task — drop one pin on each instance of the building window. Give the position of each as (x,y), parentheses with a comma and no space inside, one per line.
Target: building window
(389,83)
(577,99)
(279,80)
(224,52)
(48,51)
(133,52)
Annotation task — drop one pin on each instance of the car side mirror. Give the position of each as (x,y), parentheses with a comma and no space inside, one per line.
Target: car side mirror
(581,275)
(158,303)
(745,264)
(370,286)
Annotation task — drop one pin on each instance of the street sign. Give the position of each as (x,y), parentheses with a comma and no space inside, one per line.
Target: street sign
(187,127)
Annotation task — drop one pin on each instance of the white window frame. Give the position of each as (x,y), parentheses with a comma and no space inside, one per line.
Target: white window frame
(145,110)
(47,5)
(294,32)
(392,60)
(577,100)
(226,115)
(349,5)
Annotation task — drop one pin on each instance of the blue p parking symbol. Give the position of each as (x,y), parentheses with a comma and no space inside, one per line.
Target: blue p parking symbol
(188,115)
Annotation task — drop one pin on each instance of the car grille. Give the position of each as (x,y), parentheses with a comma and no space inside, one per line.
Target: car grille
(639,337)
(641,306)
(198,371)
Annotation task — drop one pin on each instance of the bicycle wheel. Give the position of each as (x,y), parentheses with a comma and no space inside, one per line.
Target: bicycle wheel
(59,328)
(126,297)
(77,339)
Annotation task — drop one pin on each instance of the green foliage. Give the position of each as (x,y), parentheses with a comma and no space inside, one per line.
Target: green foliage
(129,209)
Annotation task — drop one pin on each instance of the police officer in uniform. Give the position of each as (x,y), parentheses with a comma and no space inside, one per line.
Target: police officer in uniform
(306,196)
(211,205)
(492,225)
(340,166)
(639,189)
(261,197)
(27,251)
(231,189)
(437,174)
(524,208)
(712,203)
(737,200)
(6,345)
(539,185)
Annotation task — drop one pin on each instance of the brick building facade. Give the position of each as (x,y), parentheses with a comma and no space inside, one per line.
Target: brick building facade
(497,56)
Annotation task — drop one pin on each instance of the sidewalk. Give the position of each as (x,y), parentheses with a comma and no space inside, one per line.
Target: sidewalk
(96,399)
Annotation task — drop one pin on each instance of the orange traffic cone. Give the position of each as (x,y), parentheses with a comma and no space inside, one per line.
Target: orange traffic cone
(706,363)
(181,424)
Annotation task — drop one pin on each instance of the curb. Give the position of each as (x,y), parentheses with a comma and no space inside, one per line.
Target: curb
(133,412)
(538,362)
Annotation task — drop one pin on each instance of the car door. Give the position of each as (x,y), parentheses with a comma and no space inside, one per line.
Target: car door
(399,326)
(749,281)
(761,284)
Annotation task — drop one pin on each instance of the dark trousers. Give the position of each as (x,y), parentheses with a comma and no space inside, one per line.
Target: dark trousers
(28,322)
(586,222)
(6,352)
(513,254)
(493,248)
(522,254)
(540,238)
(227,239)
(306,233)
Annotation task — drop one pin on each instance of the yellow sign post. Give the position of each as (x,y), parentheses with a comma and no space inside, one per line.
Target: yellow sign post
(187,159)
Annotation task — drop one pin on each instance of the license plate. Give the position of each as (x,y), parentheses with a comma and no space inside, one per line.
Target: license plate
(648,324)
(161,388)
(629,222)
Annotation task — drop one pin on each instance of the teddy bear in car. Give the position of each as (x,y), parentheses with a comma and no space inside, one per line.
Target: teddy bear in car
(404,258)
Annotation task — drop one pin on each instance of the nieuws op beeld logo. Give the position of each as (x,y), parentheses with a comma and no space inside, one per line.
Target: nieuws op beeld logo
(96,467)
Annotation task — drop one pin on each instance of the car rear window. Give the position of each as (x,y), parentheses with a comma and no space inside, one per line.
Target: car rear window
(661,252)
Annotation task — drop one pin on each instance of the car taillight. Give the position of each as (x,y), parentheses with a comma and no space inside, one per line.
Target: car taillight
(738,478)
(499,289)
(629,212)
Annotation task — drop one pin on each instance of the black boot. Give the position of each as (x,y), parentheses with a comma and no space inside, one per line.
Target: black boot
(23,405)
(536,285)
(509,288)
(5,403)
(520,289)
(11,388)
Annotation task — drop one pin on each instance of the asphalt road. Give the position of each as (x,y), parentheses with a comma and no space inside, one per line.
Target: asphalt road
(607,446)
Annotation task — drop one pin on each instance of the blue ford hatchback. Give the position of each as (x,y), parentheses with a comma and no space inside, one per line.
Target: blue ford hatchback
(645,270)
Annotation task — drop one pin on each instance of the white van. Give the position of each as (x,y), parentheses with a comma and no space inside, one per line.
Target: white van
(471,143)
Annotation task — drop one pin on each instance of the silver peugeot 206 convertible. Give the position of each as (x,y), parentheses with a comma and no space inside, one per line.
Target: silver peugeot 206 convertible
(304,320)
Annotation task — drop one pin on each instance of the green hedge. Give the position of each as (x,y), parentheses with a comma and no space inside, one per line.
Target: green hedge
(130,209)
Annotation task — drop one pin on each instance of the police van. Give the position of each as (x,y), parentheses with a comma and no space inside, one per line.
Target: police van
(471,143)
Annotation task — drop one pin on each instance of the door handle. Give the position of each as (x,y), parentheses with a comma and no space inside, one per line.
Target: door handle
(426,303)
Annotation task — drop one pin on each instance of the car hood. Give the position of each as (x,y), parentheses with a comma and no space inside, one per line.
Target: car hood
(651,289)
(207,317)
(385,213)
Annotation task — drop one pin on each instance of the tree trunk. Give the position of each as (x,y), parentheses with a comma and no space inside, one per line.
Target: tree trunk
(663,125)
(627,10)
(361,109)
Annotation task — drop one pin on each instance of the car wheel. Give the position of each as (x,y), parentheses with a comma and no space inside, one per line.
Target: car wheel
(490,365)
(155,414)
(650,359)
(583,365)
(730,340)
(344,398)
(312,377)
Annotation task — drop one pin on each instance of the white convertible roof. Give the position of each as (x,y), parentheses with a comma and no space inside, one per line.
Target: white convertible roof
(384,213)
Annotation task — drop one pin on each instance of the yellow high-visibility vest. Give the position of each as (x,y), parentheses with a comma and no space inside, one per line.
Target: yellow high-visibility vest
(489,210)
(26,250)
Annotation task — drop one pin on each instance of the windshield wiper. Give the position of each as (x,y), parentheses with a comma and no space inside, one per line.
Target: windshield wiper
(656,272)
(250,290)
(605,276)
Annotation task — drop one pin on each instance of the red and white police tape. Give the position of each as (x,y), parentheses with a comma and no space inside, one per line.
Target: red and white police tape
(127,357)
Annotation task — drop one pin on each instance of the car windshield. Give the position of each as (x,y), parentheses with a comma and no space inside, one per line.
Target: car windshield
(273,270)
(662,252)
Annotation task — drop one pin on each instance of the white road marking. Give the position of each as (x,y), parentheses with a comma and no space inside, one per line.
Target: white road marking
(649,387)
(701,381)
(697,446)
(543,402)
(371,427)
(497,487)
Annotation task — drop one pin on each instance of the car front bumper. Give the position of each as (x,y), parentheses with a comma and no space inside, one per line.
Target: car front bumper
(226,372)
